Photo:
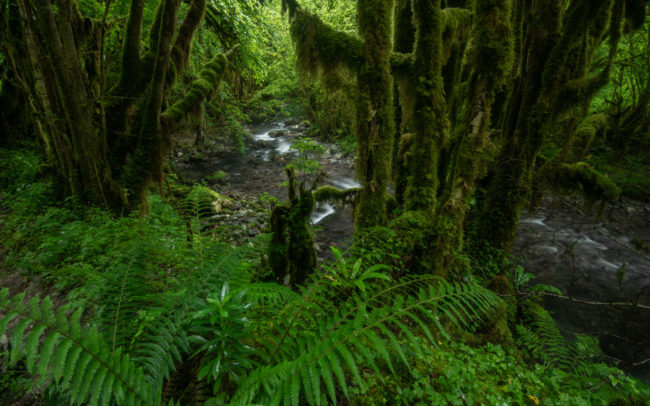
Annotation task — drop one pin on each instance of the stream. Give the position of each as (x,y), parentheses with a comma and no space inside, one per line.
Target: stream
(588,260)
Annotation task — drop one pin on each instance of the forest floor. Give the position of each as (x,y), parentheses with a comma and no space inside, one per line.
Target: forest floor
(588,257)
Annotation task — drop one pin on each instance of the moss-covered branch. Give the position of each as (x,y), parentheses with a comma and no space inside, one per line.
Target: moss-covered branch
(593,184)
(319,47)
(335,195)
(201,89)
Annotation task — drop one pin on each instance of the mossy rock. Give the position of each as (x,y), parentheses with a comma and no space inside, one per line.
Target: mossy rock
(205,201)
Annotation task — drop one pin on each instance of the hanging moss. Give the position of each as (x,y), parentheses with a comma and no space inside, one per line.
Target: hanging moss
(456,29)
(320,48)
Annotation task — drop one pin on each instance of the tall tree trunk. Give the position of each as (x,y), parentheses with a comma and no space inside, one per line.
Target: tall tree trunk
(375,125)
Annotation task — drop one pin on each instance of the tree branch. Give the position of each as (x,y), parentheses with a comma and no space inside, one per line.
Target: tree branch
(183,45)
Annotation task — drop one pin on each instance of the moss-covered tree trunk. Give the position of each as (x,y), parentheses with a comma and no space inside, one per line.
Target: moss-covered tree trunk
(430,123)
(291,254)
(375,125)
(106,150)
(322,49)
(490,62)
(552,79)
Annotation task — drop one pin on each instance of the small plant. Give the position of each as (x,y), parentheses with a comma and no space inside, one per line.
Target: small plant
(221,327)
(217,177)
(307,162)
(350,276)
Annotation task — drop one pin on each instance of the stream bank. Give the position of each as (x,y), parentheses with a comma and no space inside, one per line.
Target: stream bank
(588,260)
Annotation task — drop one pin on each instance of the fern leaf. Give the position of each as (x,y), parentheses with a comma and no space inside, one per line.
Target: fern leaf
(97,386)
(78,362)
(352,365)
(338,371)
(314,380)
(46,352)
(380,347)
(31,344)
(16,342)
(59,362)
(396,344)
(326,373)
(294,392)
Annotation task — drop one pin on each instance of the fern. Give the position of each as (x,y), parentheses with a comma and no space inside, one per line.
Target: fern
(368,328)
(77,359)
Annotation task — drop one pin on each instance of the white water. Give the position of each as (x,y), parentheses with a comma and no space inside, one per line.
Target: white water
(345,183)
(585,241)
(535,221)
(283,145)
(321,212)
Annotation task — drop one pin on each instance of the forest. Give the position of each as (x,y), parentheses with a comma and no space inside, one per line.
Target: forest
(325,202)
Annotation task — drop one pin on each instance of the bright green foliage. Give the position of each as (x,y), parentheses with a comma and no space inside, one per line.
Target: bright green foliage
(219,330)
(362,331)
(75,356)
(308,160)
(459,374)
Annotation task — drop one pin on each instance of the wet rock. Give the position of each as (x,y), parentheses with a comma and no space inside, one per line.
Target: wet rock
(276,134)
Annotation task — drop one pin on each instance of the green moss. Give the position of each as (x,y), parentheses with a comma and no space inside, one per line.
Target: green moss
(587,131)
(401,63)
(374,112)
(333,194)
(202,88)
(291,253)
(582,175)
(493,51)
(320,48)
(430,123)
(401,167)
(456,28)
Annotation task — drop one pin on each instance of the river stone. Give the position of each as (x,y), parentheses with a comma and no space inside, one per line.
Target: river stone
(276,134)
(220,203)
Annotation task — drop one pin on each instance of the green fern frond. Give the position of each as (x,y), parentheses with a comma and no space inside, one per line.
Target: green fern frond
(543,339)
(329,355)
(162,341)
(77,359)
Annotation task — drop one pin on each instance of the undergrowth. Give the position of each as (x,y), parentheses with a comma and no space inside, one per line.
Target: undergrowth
(157,311)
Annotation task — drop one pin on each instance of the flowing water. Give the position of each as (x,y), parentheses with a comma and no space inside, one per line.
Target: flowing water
(593,261)
(588,260)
